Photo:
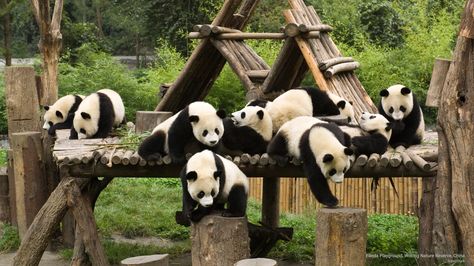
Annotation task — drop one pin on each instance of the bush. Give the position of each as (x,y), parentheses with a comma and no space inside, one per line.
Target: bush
(3,107)
(9,239)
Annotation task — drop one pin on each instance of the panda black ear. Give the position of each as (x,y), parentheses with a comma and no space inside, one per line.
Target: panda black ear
(193,118)
(217,174)
(389,126)
(405,91)
(260,114)
(348,151)
(46,107)
(85,115)
(351,102)
(59,114)
(327,158)
(341,104)
(191,176)
(384,93)
(221,114)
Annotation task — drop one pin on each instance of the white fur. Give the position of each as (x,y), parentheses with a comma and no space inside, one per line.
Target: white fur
(347,112)
(395,99)
(62,105)
(369,122)
(119,108)
(322,141)
(293,131)
(165,127)
(289,105)
(204,165)
(261,126)
(208,120)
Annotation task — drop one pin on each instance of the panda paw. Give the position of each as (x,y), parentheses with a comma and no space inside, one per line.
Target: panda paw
(331,202)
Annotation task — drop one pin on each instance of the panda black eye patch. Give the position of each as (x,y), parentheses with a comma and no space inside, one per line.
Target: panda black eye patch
(390,110)
(213,193)
(50,123)
(200,194)
(204,133)
(217,131)
(402,108)
(242,115)
(83,131)
(332,171)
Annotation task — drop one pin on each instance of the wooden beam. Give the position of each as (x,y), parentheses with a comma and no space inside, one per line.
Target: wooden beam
(251,35)
(438,76)
(271,201)
(148,120)
(4,196)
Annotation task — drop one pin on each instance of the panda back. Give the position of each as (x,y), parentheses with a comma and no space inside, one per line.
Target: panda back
(294,129)
(117,103)
(233,176)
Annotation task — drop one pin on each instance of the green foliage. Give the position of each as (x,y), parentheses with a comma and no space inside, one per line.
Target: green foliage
(97,70)
(392,234)
(9,239)
(3,107)
(3,157)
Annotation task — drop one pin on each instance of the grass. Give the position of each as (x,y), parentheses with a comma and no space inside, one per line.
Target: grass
(3,157)
(9,239)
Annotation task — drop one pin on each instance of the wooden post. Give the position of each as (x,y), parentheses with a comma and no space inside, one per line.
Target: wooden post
(341,236)
(147,120)
(31,189)
(4,196)
(219,241)
(11,187)
(438,76)
(271,201)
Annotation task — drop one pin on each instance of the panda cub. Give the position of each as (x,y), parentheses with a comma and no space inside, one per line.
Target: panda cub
(198,123)
(399,105)
(305,101)
(248,130)
(209,181)
(97,114)
(322,147)
(371,136)
(60,115)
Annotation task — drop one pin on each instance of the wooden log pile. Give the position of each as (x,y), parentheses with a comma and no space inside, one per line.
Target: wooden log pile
(317,52)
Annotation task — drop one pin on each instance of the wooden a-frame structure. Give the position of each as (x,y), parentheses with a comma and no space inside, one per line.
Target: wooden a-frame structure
(307,46)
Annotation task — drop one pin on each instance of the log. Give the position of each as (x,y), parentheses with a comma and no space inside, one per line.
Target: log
(4,197)
(291,30)
(150,260)
(31,184)
(438,76)
(361,160)
(251,35)
(43,227)
(334,61)
(340,68)
(21,100)
(271,201)
(218,240)
(418,161)
(373,159)
(385,158)
(126,157)
(135,158)
(254,159)
(256,262)
(320,27)
(257,74)
(205,30)
(85,224)
(407,161)
(117,157)
(395,160)
(220,29)
(341,236)
(147,120)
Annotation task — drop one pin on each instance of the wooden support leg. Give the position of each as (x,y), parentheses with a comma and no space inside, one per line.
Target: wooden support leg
(86,225)
(341,236)
(46,221)
(4,197)
(271,201)
(218,240)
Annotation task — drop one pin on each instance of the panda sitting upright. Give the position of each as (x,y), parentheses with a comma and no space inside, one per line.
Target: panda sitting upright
(209,181)
(400,107)
(198,123)
(248,130)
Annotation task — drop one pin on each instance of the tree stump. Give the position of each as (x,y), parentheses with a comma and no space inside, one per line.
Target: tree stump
(256,262)
(341,236)
(219,241)
(151,260)
(147,120)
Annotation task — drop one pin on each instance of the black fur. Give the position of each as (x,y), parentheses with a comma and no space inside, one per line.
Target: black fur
(404,131)
(68,123)
(373,143)
(244,139)
(322,104)
(153,146)
(278,148)
(106,118)
(261,103)
(237,200)
(316,180)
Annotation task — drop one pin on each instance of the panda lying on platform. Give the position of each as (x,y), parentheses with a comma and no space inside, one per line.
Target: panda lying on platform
(399,105)
(247,131)
(97,114)
(198,123)
(60,115)
(209,181)
(305,101)
(322,147)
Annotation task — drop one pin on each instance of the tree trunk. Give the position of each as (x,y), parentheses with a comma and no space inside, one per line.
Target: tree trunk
(7,34)
(453,229)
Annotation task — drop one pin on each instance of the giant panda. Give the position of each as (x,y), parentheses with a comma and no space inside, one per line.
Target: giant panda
(97,114)
(371,136)
(60,115)
(399,105)
(306,101)
(322,147)
(248,130)
(209,181)
(198,123)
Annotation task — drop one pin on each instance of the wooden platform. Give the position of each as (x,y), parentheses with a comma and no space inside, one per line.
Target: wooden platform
(108,158)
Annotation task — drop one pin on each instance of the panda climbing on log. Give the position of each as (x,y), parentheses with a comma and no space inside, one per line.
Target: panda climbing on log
(198,123)
(324,149)
(209,181)
(306,101)
(60,115)
(399,105)
(97,114)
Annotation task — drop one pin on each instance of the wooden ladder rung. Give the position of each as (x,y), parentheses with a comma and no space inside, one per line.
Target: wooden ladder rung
(257,74)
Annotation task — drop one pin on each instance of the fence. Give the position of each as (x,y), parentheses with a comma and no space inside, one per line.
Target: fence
(295,195)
